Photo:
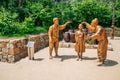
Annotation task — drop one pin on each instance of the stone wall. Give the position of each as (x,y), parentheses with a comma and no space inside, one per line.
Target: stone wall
(12,50)
(116,33)
(64,44)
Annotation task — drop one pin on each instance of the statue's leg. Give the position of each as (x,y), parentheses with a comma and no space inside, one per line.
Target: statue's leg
(77,49)
(104,52)
(80,55)
(78,58)
(98,52)
(82,49)
(51,45)
(56,48)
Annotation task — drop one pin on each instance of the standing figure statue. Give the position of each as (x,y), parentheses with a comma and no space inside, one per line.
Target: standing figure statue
(101,36)
(80,42)
(54,35)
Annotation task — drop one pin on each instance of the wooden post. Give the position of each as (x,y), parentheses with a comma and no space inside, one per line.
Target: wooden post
(30,46)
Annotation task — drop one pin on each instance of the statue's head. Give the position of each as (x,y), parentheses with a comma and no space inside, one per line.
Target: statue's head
(56,21)
(80,27)
(94,23)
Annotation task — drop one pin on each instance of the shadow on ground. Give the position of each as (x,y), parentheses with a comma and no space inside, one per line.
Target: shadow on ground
(66,57)
(39,59)
(109,63)
(89,58)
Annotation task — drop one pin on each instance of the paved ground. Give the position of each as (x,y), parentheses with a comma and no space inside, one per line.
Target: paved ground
(116,44)
(65,67)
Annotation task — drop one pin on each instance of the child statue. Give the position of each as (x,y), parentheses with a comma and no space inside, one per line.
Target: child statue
(80,42)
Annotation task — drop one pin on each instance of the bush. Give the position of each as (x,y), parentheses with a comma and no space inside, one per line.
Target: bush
(26,18)
(28,26)
(7,23)
(118,14)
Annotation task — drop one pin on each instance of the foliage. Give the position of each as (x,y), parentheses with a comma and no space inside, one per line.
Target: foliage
(35,16)
(7,22)
(118,13)
(28,26)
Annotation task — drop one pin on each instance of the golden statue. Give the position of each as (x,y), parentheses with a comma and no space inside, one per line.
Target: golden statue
(54,34)
(101,36)
(80,42)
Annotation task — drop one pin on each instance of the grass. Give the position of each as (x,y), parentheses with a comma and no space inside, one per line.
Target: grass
(37,30)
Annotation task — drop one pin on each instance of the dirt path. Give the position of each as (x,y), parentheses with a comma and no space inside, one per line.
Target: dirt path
(63,68)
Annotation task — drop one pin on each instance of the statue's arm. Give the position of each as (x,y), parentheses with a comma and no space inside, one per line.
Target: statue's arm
(85,37)
(76,38)
(64,25)
(88,26)
(50,33)
(97,34)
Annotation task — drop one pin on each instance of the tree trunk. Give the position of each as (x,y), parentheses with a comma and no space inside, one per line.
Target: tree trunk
(113,20)
(113,15)
(19,4)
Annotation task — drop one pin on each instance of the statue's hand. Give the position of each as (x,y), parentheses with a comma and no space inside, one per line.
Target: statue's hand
(84,23)
(88,37)
(68,22)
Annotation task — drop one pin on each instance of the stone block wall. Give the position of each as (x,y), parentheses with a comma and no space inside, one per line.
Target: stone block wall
(116,33)
(64,44)
(12,50)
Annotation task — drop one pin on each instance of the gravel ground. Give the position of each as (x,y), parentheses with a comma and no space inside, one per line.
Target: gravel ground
(65,67)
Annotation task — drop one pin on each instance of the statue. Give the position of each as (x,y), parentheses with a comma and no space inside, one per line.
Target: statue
(101,36)
(54,34)
(80,42)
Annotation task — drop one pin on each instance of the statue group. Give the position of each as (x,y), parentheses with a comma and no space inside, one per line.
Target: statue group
(80,37)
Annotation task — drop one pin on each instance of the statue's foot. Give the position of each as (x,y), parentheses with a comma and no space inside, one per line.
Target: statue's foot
(80,59)
(50,57)
(56,56)
(77,59)
(101,63)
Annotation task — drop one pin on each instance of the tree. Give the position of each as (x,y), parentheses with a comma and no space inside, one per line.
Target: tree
(19,4)
(113,15)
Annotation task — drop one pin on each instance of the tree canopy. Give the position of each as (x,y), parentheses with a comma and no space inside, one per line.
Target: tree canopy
(35,16)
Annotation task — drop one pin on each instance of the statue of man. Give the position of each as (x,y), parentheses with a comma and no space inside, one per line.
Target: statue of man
(54,35)
(101,36)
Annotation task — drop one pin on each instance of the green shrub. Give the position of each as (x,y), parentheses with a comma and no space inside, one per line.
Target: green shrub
(26,18)
(7,23)
(28,26)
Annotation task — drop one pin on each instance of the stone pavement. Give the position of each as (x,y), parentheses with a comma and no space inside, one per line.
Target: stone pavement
(65,67)
(115,44)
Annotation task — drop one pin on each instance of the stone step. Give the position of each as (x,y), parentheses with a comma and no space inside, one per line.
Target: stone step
(72,45)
